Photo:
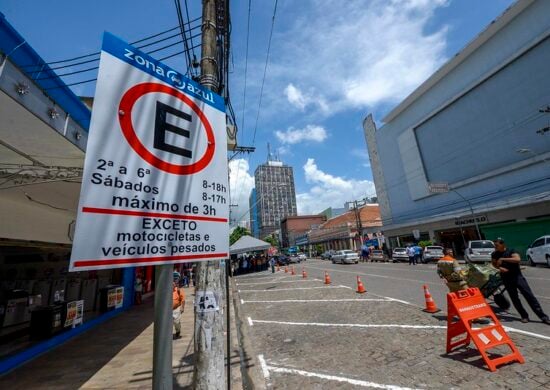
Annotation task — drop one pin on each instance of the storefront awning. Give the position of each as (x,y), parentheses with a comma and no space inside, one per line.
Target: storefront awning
(248,244)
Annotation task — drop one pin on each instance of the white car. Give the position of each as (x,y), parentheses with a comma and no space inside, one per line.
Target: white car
(479,251)
(399,254)
(345,257)
(302,256)
(432,253)
(539,251)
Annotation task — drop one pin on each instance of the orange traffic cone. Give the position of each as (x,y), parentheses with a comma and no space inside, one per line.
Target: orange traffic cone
(360,287)
(327,278)
(430,303)
(304,273)
(286,270)
(292,272)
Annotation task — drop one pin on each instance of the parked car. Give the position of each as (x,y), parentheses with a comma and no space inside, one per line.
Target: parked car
(479,251)
(328,255)
(432,253)
(302,256)
(399,254)
(539,251)
(294,258)
(378,255)
(345,257)
(282,259)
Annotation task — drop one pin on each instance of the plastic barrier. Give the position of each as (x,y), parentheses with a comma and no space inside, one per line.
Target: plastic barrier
(465,306)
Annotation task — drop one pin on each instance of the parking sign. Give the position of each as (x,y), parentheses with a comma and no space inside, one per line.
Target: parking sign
(155,182)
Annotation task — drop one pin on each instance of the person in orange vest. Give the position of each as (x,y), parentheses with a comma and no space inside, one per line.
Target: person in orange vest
(178,304)
(449,270)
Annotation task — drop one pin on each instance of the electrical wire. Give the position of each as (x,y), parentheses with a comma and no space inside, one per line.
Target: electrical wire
(265,72)
(94,79)
(97,53)
(97,67)
(183,35)
(246,67)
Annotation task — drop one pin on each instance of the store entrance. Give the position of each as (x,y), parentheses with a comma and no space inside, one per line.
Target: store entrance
(457,239)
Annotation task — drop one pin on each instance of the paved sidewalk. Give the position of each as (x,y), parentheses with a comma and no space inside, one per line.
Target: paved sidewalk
(116,354)
(326,337)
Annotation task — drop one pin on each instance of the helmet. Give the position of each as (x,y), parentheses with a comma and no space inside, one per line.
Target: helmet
(176,275)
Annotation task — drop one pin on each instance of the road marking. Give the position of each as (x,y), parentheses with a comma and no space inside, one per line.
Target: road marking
(250,321)
(355,382)
(242,301)
(321,300)
(279,281)
(419,281)
(263,364)
(292,288)
(403,326)
(526,333)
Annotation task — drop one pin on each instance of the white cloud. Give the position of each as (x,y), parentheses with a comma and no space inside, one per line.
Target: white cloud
(308,133)
(377,56)
(362,155)
(301,100)
(328,190)
(241,183)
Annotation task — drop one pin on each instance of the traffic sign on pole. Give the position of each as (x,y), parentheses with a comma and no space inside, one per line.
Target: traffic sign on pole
(155,183)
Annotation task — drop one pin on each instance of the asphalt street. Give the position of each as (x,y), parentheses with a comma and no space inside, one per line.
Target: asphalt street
(302,333)
(404,282)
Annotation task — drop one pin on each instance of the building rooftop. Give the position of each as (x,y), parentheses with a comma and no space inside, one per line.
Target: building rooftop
(369,214)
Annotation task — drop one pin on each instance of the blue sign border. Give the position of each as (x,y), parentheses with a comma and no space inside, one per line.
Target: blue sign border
(144,62)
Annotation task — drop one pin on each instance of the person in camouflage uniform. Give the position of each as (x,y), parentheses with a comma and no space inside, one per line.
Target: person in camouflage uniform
(449,269)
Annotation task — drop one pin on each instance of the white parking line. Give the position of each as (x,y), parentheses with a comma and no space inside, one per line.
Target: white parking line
(250,321)
(321,300)
(404,326)
(526,333)
(419,281)
(355,382)
(292,288)
(263,364)
(279,281)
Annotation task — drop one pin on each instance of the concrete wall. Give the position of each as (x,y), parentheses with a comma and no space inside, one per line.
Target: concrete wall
(466,128)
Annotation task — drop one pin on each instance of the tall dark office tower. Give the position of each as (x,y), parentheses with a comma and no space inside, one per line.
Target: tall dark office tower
(276,195)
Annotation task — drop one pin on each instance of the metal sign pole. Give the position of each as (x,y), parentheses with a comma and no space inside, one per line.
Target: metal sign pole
(162,341)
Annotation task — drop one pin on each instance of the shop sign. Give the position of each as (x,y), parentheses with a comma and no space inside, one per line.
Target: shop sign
(119,299)
(75,313)
(155,182)
(471,220)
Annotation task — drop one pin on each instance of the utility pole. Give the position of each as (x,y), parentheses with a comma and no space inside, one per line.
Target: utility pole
(209,326)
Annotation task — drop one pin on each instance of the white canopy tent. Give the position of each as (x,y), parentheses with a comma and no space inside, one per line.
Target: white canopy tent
(248,244)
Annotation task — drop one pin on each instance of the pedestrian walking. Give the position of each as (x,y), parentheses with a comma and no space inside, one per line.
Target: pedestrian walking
(417,254)
(138,289)
(178,304)
(185,280)
(272,264)
(449,270)
(508,262)
(410,253)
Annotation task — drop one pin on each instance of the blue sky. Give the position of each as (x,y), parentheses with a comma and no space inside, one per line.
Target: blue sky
(331,63)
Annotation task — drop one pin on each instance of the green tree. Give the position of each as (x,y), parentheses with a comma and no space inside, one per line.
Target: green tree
(272,240)
(237,233)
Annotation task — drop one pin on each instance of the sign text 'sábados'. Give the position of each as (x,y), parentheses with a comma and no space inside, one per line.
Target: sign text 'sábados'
(154,189)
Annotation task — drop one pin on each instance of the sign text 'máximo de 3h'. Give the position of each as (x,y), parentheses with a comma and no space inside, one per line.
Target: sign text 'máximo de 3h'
(155,184)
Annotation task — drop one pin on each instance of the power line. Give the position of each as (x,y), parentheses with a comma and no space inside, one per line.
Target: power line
(246,67)
(183,34)
(98,52)
(94,79)
(265,71)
